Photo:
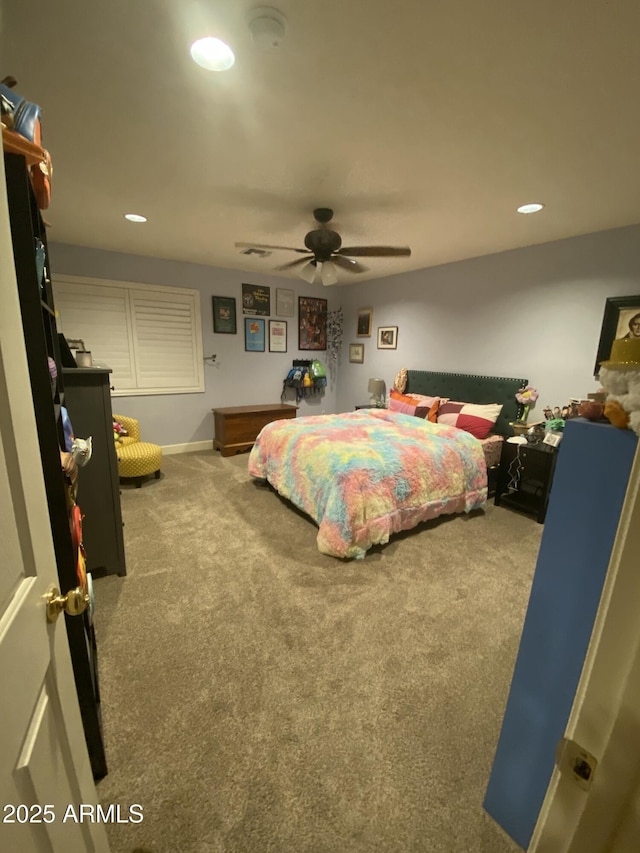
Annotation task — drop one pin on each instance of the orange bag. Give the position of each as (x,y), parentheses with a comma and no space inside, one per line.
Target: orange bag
(38,160)
(41,173)
(21,134)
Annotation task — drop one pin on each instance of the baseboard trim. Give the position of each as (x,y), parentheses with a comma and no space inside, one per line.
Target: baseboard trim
(171,449)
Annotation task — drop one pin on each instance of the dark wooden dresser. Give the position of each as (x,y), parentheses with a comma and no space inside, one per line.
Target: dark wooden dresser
(236,427)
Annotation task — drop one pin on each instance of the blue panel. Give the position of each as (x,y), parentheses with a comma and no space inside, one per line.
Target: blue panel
(590,481)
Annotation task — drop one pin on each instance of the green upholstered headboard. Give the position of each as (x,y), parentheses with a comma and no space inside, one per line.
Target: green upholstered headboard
(467,388)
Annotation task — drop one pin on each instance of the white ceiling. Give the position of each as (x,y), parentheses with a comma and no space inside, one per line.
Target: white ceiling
(420,122)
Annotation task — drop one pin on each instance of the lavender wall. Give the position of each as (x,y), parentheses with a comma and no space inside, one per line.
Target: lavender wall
(237,378)
(532,312)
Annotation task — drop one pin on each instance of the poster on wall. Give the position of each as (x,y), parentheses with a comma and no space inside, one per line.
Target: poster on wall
(254,334)
(224,315)
(284,302)
(365,316)
(312,323)
(256,300)
(277,335)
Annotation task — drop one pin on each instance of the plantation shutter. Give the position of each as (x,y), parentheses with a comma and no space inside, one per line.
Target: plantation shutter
(150,336)
(164,340)
(99,316)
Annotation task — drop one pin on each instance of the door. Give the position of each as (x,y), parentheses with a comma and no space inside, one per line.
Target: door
(605,718)
(44,764)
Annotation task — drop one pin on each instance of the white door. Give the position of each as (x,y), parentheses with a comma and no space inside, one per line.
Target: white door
(44,764)
(605,718)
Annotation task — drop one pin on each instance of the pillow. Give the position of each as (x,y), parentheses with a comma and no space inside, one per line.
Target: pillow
(400,382)
(417,405)
(432,403)
(471,417)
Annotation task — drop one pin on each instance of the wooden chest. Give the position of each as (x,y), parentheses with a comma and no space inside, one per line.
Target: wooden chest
(236,427)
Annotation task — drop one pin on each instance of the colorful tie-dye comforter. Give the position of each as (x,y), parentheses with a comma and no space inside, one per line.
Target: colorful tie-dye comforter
(364,475)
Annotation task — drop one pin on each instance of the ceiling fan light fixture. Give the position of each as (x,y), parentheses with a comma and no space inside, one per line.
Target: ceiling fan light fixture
(212,54)
(328,273)
(533,207)
(308,272)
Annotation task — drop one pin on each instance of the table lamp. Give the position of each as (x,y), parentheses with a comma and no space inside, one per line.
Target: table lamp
(376,389)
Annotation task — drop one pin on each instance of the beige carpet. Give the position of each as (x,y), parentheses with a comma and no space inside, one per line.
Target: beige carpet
(260,697)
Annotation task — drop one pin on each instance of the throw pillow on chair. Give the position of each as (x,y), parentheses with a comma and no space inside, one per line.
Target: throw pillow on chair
(136,459)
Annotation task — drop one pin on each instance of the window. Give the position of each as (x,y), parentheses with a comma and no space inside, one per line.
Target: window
(150,336)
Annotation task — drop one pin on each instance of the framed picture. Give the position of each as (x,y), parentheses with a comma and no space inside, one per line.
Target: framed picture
(365,319)
(356,353)
(621,321)
(284,302)
(254,334)
(256,300)
(277,335)
(224,315)
(312,323)
(387,337)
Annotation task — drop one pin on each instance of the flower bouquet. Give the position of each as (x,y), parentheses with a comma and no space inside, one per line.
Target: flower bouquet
(527,397)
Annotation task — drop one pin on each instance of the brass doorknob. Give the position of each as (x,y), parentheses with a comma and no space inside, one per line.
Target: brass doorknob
(74,602)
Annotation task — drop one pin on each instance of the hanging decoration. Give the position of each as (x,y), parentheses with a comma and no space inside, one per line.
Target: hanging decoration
(335,322)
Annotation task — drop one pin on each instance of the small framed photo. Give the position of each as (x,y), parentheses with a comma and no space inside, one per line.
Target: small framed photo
(284,302)
(387,337)
(365,319)
(224,315)
(254,334)
(356,353)
(277,335)
(621,321)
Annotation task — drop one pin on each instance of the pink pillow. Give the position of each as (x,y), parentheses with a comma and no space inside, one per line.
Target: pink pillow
(471,417)
(417,405)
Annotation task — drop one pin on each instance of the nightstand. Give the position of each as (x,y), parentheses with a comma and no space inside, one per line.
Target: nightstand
(367,406)
(524,478)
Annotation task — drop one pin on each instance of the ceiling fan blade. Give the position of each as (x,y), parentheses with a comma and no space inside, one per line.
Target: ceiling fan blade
(265,246)
(348,264)
(295,263)
(375,251)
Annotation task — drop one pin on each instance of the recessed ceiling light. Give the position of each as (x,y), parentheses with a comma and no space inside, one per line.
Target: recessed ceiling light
(135,217)
(530,208)
(212,54)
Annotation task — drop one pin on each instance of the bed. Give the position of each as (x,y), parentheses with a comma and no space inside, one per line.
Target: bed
(363,476)
(478,389)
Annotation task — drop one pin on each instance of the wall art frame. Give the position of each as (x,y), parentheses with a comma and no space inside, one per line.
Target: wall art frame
(364,322)
(277,335)
(256,300)
(312,323)
(224,315)
(387,337)
(285,302)
(254,329)
(356,353)
(621,320)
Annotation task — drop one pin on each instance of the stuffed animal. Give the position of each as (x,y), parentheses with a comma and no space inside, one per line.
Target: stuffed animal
(620,377)
(81,450)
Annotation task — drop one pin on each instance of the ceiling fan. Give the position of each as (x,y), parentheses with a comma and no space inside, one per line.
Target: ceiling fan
(324,252)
